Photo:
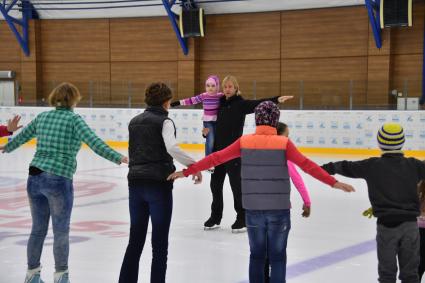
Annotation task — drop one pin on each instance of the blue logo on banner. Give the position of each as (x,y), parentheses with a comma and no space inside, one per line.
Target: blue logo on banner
(346,140)
(309,140)
(396,118)
(382,118)
(93,117)
(334,141)
(359,141)
(310,125)
(322,125)
(369,134)
(195,130)
(322,140)
(298,125)
(298,140)
(346,126)
(359,126)
(334,125)
(409,118)
(410,134)
(422,134)
(369,119)
(185,116)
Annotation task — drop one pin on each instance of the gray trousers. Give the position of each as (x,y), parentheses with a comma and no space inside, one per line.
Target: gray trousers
(402,243)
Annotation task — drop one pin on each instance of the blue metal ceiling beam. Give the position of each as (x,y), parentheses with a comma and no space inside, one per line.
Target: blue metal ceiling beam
(173,19)
(373,12)
(24,22)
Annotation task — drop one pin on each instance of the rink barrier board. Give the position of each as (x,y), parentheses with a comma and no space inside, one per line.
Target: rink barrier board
(305,150)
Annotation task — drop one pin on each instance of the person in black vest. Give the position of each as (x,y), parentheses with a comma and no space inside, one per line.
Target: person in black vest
(229,127)
(152,147)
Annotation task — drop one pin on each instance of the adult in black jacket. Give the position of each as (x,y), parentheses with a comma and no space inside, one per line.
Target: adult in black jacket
(229,127)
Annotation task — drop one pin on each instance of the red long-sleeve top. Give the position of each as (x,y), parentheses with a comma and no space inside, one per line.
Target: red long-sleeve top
(4,132)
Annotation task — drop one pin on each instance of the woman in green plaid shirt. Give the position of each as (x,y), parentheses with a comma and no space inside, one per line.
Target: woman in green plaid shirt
(59,134)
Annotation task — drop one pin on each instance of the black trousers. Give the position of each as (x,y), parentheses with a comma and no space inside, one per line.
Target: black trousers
(422,253)
(233,169)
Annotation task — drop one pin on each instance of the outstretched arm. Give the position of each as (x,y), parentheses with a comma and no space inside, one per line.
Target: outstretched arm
(249,105)
(188,101)
(313,169)
(27,134)
(351,169)
(85,134)
(231,152)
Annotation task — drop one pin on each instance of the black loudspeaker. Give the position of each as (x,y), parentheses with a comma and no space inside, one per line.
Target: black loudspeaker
(192,22)
(396,13)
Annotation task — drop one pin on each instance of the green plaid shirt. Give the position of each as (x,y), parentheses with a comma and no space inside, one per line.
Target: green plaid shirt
(59,135)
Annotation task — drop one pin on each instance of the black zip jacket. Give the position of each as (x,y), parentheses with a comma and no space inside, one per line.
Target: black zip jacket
(231,118)
(392,181)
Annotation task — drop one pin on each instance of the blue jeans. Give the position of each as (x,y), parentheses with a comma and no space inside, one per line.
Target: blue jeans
(144,201)
(209,143)
(49,195)
(268,235)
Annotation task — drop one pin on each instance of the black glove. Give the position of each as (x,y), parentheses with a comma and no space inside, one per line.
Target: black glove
(175,103)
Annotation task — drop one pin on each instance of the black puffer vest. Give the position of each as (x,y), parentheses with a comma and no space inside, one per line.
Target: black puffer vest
(149,159)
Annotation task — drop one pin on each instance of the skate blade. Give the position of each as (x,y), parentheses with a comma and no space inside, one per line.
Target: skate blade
(237,231)
(211,228)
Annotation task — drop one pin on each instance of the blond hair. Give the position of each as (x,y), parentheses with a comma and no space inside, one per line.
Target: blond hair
(64,95)
(234,81)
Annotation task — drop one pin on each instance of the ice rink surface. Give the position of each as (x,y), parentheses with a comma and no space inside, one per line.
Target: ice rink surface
(336,244)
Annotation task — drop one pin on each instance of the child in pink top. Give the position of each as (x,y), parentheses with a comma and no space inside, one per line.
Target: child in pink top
(283,130)
(210,100)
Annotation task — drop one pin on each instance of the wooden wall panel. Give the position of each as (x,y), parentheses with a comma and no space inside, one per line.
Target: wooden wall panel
(29,83)
(242,37)
(93,80)
(409,40)
(143,39)
(257,78)
(406,68)
(325,33)
(326,82)
(9,47)
(75,40)
(378,80)
(131,79)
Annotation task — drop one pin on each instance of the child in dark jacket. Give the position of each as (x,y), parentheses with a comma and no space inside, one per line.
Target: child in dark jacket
(392,185)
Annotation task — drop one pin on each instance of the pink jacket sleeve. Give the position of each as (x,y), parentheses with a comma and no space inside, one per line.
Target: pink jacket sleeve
(3,131)
(192,100)
(299,183)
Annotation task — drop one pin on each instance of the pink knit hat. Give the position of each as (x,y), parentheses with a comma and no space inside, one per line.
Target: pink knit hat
(213,79)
